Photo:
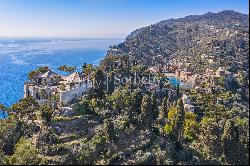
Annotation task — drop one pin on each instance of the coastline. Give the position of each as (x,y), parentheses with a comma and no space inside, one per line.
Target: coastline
(33,58)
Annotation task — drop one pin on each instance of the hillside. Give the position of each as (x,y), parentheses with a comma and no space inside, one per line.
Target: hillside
(224,34)
(124,119)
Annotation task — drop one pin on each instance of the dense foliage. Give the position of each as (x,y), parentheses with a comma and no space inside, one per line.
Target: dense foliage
(129,123)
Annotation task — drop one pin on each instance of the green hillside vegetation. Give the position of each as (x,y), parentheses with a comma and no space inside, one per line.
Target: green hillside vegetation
(129,123)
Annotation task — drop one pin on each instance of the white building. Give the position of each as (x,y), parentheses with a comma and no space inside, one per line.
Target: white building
(186,99)
(48,78)
(49,86)
(189,108)
(75,87)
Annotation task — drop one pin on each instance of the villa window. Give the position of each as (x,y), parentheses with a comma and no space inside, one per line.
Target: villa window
(39,80)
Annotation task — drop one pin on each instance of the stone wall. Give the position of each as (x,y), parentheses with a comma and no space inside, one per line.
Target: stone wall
(69,95)
(32,91)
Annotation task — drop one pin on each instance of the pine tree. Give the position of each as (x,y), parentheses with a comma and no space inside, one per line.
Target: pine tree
(230,142)
(209,141)
(25,153)
(87,69)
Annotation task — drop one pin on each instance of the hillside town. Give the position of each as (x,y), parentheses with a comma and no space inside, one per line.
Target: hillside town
(58,90)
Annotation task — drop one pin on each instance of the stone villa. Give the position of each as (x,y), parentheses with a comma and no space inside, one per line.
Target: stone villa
(49,86)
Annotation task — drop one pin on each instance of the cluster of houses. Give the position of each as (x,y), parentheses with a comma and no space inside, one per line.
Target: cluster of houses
(210,77)
(50,87)
(47,86)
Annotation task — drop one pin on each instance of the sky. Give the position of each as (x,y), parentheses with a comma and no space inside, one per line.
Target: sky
(98,18)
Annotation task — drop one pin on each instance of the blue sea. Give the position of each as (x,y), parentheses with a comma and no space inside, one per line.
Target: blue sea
(19,56)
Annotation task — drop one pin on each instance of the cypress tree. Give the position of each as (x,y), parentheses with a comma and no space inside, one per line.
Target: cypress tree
(111,84)
(99,83)
(154,106)
(146,111)
(164,108)
(180,117)
(109,129)
(178,90)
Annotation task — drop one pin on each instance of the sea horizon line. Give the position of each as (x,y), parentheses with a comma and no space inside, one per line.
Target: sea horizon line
(79,38)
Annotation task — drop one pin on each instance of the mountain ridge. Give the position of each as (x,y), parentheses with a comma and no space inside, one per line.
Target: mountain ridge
(218,35)
(188,18)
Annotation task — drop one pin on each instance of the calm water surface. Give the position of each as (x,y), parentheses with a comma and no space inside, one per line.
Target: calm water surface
(19,56)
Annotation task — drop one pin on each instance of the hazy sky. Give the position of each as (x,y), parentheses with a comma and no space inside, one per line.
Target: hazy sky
(98,18)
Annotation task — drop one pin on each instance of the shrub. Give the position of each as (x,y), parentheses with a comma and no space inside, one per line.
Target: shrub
(25,153)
